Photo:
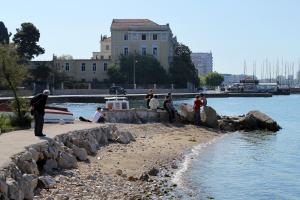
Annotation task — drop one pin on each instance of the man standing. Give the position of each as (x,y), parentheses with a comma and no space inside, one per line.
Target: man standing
(38,104)
(197,105)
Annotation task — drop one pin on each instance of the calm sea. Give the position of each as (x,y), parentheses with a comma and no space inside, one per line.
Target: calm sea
(248,165)
(241,165)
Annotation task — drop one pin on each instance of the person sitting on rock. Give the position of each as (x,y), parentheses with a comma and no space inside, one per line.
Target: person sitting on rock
(154,103)
(148,97)
(98,117)
(169,108)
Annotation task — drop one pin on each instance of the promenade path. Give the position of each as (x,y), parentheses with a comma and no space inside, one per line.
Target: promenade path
(14,142)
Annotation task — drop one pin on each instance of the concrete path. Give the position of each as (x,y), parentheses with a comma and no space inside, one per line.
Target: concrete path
(14,142)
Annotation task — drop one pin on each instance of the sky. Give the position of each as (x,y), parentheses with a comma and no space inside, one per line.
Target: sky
(235,31)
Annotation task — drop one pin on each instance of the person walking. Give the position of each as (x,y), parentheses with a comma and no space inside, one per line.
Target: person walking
(38,104)
(196,107)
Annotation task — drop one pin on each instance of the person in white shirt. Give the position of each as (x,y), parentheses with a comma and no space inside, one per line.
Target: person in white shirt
(98,116)
(154,103)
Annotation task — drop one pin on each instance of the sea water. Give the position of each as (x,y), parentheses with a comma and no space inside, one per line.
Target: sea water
(254,165)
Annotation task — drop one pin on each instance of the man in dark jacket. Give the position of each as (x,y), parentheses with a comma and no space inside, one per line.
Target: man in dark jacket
(38,104)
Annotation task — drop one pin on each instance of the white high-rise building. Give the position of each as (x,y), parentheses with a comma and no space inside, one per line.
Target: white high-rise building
(203,63)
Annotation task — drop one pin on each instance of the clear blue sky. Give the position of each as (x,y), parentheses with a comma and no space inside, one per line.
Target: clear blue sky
(234,30)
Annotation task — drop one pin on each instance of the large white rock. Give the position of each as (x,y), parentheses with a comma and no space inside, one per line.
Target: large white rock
(209,117)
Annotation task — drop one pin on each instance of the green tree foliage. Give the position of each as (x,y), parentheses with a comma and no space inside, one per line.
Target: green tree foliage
(12,74)
(182,69)
(202,81)
(214,79)
(26,40)
(147,70)
(41,73)
(4,36)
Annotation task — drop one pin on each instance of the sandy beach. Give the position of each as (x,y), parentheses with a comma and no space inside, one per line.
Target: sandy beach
(117,169)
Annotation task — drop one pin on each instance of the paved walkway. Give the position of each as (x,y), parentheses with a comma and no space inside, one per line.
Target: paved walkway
(14,142)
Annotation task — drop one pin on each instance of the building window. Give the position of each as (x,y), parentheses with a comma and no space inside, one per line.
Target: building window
(107,47)
(109,57)
(105,66)
(102,57)
(82,67)
(143,36)
(126,37)
(144,51)
(126,51)
(154,36)
(154,51)
(94,67)
(67,67)
(134,36)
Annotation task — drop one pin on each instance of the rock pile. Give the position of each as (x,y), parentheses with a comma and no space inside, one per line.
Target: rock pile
(28,170)
(253,120)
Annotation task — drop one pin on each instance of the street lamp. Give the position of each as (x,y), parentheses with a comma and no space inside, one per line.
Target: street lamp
(134,61)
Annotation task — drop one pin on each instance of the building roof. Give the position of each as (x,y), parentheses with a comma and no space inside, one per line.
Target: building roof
(136,24)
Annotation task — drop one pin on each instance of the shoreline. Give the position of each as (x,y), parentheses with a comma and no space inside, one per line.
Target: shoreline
(115,171)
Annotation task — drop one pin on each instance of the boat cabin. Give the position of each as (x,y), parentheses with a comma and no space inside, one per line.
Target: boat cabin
(116,103)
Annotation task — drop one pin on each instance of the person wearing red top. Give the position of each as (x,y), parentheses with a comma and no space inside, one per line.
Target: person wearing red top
(197,106)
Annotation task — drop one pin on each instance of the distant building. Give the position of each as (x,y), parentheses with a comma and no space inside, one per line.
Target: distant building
(144,37)
(85,70)
(203,63)
(230,79)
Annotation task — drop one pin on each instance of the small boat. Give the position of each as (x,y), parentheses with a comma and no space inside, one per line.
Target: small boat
(116,103)
(52,114)
(58,115)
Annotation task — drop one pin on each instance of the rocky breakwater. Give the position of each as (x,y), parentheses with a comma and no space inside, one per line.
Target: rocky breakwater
(28,171)
(253,120)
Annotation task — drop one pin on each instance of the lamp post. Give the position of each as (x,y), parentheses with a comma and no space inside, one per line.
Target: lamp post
(134,61)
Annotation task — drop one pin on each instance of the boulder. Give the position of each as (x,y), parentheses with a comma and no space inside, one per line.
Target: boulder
(80,153)
(258,120)
(29,183)
(186,112)
(209,117)
(66,160)
(3,186)
(46,182)
(123,137)
(14,190)
(50,165)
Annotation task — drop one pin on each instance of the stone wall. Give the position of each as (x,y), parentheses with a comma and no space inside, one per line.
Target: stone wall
(28,170)
(136,116)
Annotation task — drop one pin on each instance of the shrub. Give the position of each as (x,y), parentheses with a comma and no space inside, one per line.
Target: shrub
(24,120)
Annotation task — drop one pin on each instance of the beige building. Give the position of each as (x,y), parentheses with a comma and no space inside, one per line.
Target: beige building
(105,49)
(85,70)
(144,37)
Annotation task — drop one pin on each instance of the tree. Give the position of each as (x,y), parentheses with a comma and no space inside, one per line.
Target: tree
(41,73)
(214,79)
(4,36)
(182,69)
(13,74)
(26,40)
(147,70)
(202,81)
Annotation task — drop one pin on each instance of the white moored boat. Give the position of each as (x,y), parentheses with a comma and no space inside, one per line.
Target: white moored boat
(58,115)
(116,103)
